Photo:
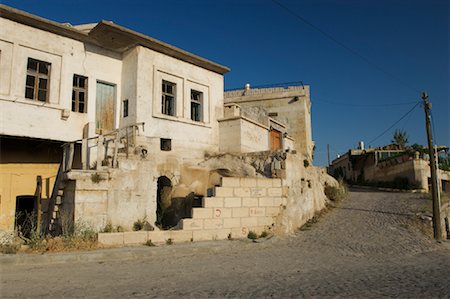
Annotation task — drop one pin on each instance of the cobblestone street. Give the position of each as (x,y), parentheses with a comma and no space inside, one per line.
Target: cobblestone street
(368,246)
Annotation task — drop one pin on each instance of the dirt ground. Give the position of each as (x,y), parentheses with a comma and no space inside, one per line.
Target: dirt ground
(368,246)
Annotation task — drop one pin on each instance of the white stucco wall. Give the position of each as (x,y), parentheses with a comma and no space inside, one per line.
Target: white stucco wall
(24,117)
(239,135)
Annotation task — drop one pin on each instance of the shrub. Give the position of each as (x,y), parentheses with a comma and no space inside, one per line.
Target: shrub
(108,228)
(264,234)
(336,193)
(138,225)
(9,248)
(252,235)
(96,178)
(305,163)
(169,241)
(149,243)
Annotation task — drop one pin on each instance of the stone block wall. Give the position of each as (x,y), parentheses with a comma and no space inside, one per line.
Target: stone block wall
(239,205)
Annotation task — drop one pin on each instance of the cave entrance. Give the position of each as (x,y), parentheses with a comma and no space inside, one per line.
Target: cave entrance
(162,198)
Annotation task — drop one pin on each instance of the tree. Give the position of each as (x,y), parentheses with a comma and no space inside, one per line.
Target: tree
(400,138)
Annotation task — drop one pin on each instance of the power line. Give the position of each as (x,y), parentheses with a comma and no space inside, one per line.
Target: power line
(399,120)
(364,105)
(336,41)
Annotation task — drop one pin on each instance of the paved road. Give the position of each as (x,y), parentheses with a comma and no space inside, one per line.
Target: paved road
(366,247)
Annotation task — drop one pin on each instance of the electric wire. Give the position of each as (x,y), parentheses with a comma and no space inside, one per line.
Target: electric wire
(363,105)
(399,120)
(336,41)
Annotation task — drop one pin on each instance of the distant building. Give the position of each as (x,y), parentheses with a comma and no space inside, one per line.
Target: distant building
(390,165)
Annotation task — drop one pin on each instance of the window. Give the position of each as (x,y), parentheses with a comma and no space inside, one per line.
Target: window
(38,80)
(79,94)
(125,108)
(166,144)
(196,105)
(168,98)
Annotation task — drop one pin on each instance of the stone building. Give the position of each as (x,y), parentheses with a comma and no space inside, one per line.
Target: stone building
(388,165)
(106,125)
(289,111)
(62,83)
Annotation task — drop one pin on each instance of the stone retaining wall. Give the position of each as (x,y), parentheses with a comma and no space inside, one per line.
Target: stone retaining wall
(238,206)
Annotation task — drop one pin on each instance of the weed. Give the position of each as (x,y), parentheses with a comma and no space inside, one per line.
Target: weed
(108,228)
(9,248)
(119,229)
(305,163)
(264,234)
(142,224)
(169,241)
(138,225)
(149,243)
(252,235)
(96,178)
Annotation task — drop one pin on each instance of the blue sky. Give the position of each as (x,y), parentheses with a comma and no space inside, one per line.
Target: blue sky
(263,43)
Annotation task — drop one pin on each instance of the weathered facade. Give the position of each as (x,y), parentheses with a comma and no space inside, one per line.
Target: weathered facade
(61,83)
(107,126)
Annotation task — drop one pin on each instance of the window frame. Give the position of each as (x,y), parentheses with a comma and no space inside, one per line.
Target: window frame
(125,108)
(168,97)
(38,76)
(197,103)
(76,93)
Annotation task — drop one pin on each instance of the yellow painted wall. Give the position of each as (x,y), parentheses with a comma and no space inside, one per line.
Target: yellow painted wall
(17,179)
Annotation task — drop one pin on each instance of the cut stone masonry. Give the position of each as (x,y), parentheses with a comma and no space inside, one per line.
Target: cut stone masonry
(239,205)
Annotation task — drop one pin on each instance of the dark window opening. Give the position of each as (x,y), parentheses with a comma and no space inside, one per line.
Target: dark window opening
(37,82)
(79,94)
(166,144)
(196,105)
(168,98)
(273,114)
(125,108)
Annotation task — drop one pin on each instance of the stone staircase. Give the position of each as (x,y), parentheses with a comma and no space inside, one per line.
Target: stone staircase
(238,206)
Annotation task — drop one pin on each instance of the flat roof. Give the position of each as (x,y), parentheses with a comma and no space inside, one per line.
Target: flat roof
(111,36)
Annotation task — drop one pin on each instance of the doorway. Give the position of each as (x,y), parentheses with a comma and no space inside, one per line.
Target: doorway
(25,216)
(275,140)
(162,198)
(104,107)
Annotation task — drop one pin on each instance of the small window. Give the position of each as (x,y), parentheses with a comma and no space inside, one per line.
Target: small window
(196,105)
(125,108)
(168,98)
(37,82)
(166,144)
(79,94)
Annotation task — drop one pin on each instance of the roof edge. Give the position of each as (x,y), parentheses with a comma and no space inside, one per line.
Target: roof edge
(163,47)
(23,17)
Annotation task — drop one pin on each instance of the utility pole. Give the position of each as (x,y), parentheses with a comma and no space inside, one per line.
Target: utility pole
(436,208)
(328,149)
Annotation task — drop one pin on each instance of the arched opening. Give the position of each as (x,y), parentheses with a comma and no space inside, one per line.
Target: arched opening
(25,216)
(162,198)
